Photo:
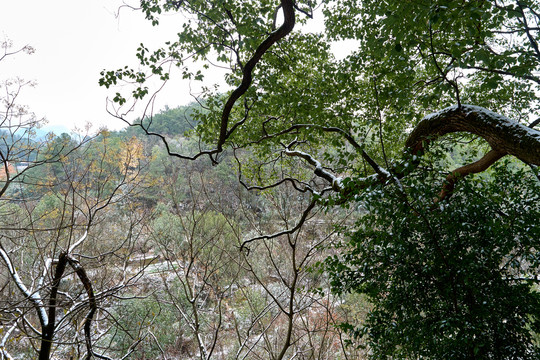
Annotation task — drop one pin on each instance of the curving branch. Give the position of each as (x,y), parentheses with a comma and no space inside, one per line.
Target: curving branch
(49,330)
(319,170)
(503,134)
(81,273)
(288,24)
(300,223)
(288,8)
(476,167)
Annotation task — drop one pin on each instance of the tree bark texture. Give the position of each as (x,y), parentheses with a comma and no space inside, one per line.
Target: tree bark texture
(503,135)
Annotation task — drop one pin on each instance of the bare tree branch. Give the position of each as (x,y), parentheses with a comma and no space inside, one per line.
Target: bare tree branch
(300,223)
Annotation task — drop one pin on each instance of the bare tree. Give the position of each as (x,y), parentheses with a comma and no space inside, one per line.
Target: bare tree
(53,247)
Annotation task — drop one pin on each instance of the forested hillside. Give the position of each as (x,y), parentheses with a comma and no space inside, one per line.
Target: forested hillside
(383,204)
(159,239)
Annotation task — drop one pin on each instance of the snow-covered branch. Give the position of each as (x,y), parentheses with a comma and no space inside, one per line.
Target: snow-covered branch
(33,296)
(503,134)
(3,352)
(80,241)
(336,181)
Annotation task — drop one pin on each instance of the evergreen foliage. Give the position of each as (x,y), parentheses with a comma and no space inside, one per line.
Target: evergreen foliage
(455,280)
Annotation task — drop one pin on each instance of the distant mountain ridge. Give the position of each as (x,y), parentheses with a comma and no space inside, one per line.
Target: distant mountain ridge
(55,129)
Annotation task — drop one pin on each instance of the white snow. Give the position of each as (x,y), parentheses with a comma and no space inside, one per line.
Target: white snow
(33,296)
(337,182)
(497,120)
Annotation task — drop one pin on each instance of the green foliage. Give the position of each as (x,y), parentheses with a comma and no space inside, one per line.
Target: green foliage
(135,316)
(444,278)
(425,55)
(47,206)
(170,122)
(452,280)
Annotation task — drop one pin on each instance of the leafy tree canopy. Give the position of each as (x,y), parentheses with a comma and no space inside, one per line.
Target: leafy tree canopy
(335,128)
(455,282)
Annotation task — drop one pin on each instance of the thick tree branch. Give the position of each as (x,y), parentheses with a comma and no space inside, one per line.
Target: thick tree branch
(476,167)
(287,26)
(49,329)
(81,273)
(504,135)
(319,170)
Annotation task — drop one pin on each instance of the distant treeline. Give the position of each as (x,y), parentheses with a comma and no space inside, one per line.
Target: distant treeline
(169,122)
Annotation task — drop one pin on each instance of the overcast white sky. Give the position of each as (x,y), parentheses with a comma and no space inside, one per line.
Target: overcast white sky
(74,40)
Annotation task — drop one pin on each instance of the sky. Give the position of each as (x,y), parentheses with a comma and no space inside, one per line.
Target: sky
(74,41)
